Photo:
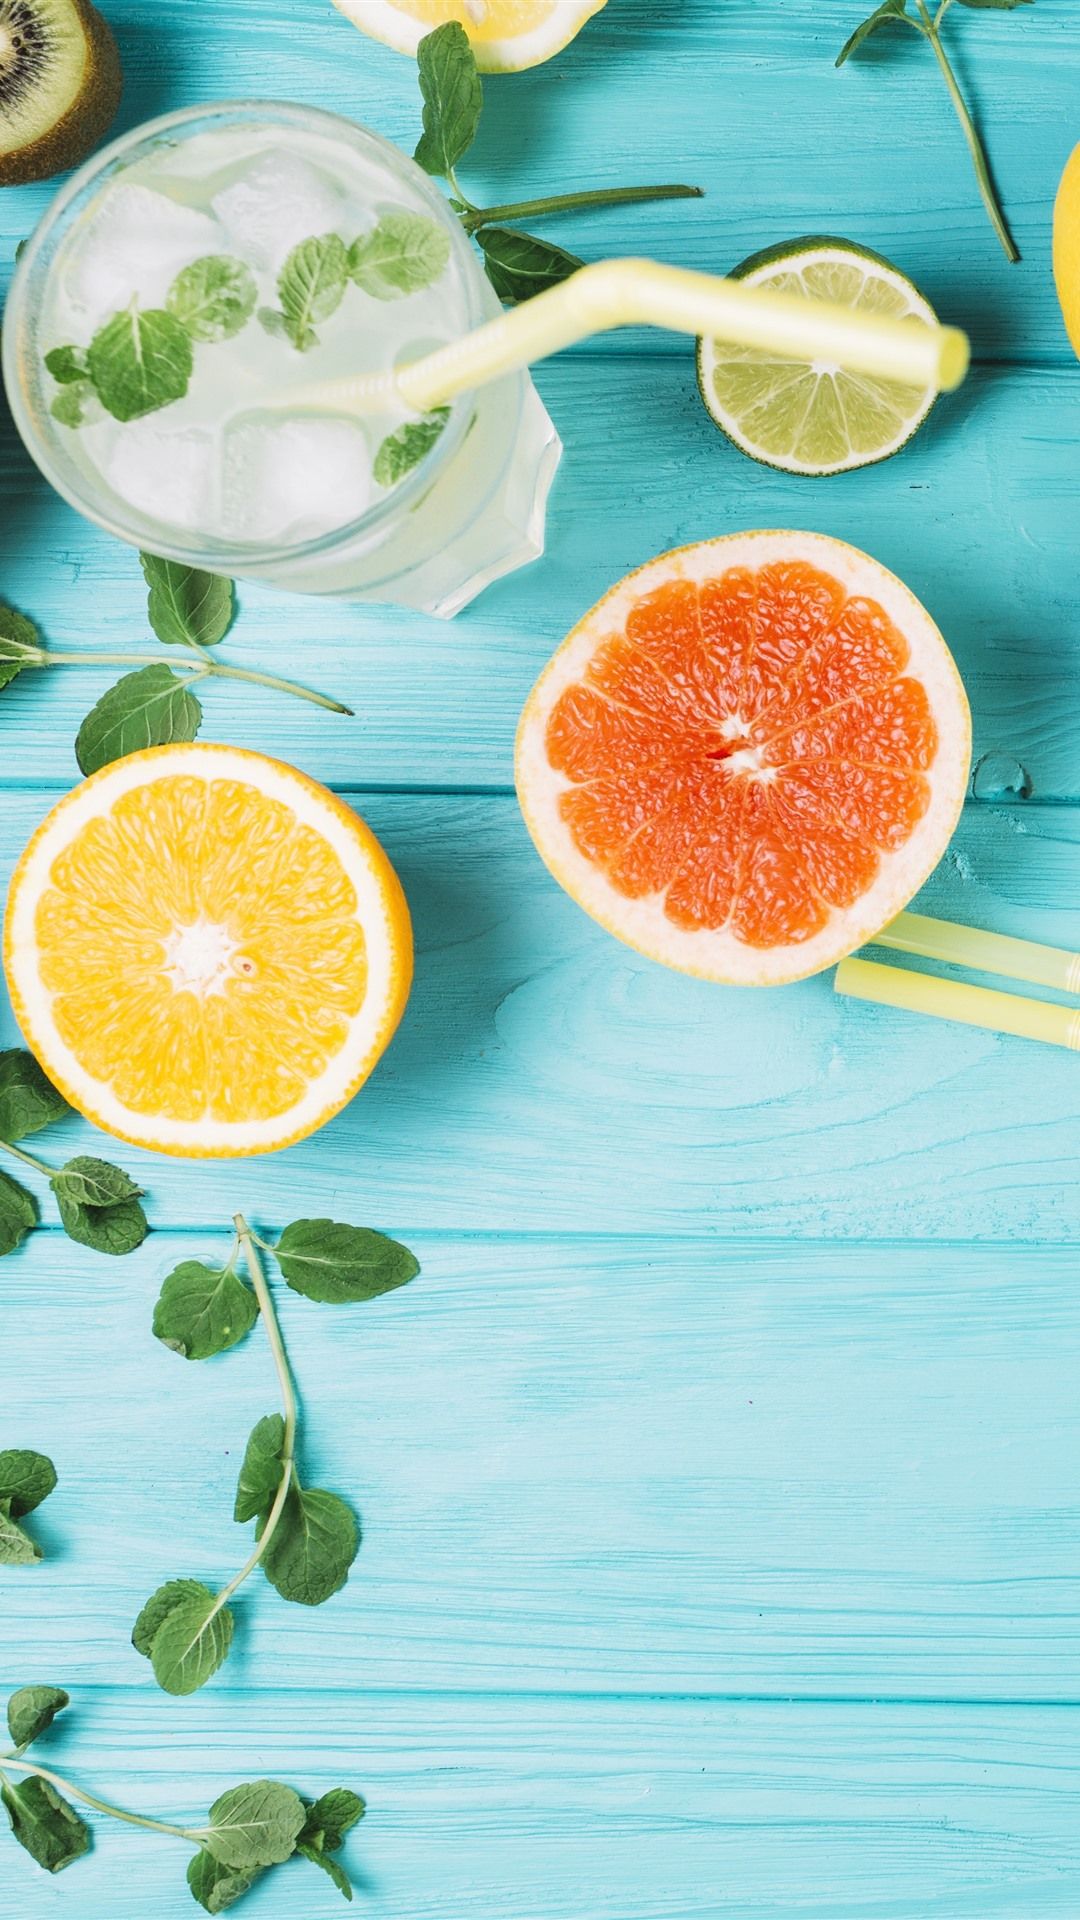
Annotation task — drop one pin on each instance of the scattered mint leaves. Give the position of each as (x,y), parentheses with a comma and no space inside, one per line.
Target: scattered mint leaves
(139,361)
(311,287)
(149,708)
(329,1261)
(402,254)
(28,1099)
(519,266)
(186,607)
(250,1829)
(185,1632)
(18,1214)
(99,1206)
(20,645)
(453,98)
(400,452)
(313,1547)
(26,1479)
(97,1202)
(213,298)
(895,13)
(203,1310)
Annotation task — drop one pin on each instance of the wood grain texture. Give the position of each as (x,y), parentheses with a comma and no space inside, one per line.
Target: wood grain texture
(607,1466)
(978,516)
(642,1810)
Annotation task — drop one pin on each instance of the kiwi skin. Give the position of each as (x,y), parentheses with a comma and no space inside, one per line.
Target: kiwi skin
(88,117)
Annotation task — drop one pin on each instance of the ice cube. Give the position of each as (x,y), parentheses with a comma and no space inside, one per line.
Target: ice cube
(169,476)
(134,243)
(278,201)
(294,477)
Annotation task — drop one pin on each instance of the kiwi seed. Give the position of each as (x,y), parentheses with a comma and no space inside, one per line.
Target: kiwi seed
(60,84)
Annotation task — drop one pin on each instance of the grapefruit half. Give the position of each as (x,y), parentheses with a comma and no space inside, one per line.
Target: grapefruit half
(748,756)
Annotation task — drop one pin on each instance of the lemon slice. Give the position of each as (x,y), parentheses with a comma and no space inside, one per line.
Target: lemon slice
(815,418)
(506,35)
(206,950)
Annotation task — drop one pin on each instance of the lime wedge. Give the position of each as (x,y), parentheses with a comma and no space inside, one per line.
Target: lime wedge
(815,417)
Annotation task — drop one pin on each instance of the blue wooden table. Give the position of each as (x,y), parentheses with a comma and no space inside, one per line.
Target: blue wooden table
(720,1476)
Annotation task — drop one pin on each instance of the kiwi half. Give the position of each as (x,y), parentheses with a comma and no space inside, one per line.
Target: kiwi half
(60,84)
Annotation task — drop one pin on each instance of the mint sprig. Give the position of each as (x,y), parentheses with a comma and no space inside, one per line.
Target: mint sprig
(250,1830)
(154,705)
(99,1204)
(893,13)
(26,1479)
(306,1539)
(517,264)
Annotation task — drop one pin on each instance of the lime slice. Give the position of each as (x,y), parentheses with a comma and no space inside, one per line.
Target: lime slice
(815,417)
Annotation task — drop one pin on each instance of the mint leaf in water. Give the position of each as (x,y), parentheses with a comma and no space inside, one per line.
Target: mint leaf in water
(260,1473)
(45,1824)
(31,1710)
(400,452)
(254,1825)
(74,406)
(329,1261)
(203,1310)
(184,1634)
(150,708)
(18,1214)
(28,1099)
(311,286)
(315,1543)
(20,645)
(99,1205)
(215,1886)
(519,266)
(213,298)
(453,98)
(140,361)
(186,607)
(67,365)
(405,252)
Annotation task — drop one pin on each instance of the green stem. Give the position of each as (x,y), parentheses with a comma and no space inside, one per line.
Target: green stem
(975,145)
(459,191)
(288,1402)
(29,1159)
(564,202)
(100,1806)
(200,667)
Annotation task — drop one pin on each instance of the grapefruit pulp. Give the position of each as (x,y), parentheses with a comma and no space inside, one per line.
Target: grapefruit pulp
(748,756)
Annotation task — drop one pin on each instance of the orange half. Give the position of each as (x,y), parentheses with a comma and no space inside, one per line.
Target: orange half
(748,756)
(206,950)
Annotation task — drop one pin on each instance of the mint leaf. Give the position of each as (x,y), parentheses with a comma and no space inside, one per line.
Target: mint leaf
(94,1183)
(213,298)
(311,286)
(403,450)
(203,1310)
(150,708)
(28,1099)
(186,607)
(889,12)
(31,1710)
(333,1867)
(329,1261)
(18,1214)
(254,1825)
(405,252)
(99,1206)
(274,322)
(16,1547)
(26,1479)
(45,1824)
(331,1817)
(192,1639)
(453,98)
(314,1545)
(74,406)
(19,645)
(67,365)
(158,1608)
(139,362)
(260,1473)
(215,1886)
(519,266)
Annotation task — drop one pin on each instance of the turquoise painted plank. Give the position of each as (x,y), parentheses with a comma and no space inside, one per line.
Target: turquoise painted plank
(743,101)
(979,516)
(645,1810)
(599,1466)
(547,1077)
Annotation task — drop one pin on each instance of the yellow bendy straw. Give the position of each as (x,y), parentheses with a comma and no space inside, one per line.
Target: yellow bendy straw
(987,952)
(624,293)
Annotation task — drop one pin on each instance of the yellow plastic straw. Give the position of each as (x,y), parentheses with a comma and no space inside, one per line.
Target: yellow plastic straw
(622,293)
(954,1000)
(986,952)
